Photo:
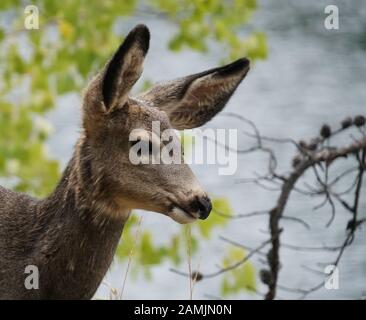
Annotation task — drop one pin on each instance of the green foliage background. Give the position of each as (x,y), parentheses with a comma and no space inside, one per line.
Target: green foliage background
(63,64)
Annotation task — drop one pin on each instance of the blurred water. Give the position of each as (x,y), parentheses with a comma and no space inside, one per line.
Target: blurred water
(312,75)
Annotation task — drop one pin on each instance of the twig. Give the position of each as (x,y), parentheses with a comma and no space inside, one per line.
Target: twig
(130,256)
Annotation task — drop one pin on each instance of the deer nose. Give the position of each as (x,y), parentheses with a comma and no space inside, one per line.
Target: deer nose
(203,206)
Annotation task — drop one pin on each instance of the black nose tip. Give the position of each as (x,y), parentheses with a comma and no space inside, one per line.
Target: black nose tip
(204,206)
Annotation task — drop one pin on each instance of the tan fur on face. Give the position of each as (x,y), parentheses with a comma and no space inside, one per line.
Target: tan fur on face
(183,103)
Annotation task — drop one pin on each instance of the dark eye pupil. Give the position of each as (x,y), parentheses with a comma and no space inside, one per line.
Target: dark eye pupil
(150,147)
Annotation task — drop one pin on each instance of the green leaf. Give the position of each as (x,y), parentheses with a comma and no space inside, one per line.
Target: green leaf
(240,279)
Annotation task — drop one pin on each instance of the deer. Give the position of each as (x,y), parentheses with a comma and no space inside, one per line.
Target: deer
(71,235)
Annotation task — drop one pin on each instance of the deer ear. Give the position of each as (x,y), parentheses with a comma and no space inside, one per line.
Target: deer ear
(125,68)
(192,101)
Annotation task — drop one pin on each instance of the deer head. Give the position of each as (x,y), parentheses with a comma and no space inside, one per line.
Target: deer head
(110,115)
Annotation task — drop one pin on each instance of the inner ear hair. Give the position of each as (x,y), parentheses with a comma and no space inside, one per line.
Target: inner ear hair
(192,101)
(125,67)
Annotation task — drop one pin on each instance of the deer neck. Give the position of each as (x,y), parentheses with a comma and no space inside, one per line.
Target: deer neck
(83,230)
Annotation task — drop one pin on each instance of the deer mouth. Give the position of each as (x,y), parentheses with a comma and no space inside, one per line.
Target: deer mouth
(181,215)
